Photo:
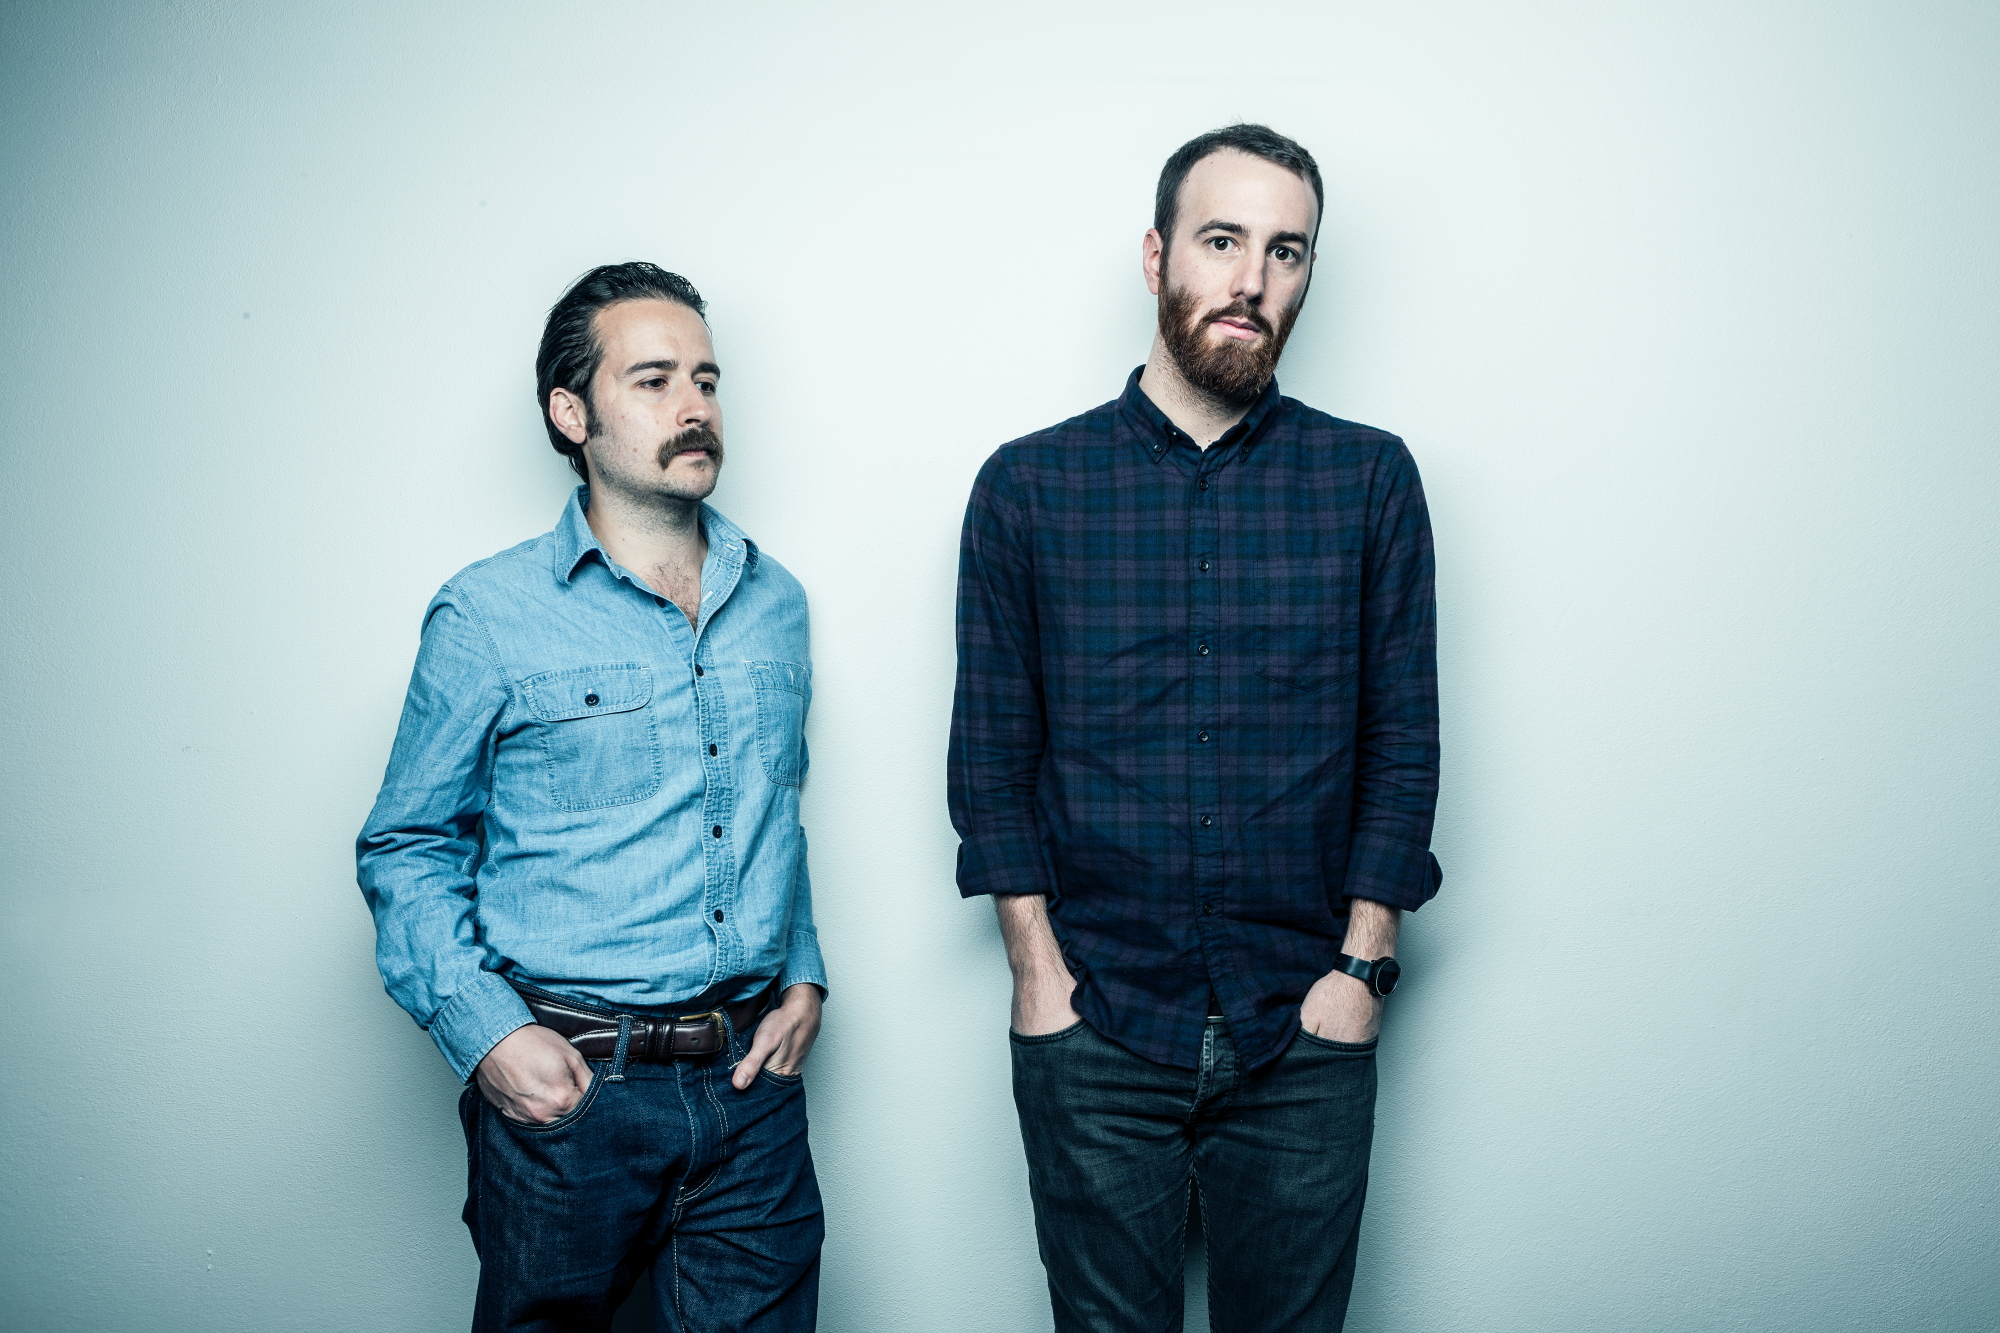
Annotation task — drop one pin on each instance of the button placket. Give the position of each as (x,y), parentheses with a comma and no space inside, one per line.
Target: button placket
(1204,698)
(718,810)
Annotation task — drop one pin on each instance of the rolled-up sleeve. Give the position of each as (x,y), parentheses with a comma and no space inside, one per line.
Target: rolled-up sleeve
(1396,754)
(998,727)
(418,854)
(802,956)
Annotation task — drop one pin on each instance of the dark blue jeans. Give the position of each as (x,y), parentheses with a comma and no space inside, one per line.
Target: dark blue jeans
(1280,1158)
(672,1167)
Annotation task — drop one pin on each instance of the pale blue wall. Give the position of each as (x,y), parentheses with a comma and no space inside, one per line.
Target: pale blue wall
(1688,311)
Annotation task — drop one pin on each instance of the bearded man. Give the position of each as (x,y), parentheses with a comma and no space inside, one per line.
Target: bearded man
(1194,758)
(586,867)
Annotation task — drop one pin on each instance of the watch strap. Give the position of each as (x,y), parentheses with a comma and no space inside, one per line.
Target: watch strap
(1368,971)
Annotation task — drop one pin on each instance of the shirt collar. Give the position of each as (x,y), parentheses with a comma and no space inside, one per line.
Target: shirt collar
(576,543)
(1157,434)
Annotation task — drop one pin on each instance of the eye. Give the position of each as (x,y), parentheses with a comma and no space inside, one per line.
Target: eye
(707,387)
(657,382)
(1284,254)
(1220,243)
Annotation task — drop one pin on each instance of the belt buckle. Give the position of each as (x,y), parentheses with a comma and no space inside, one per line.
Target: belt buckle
(713,1016)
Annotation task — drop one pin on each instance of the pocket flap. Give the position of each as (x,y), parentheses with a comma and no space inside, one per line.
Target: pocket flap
(784,675)
(1312,675)
(615,687)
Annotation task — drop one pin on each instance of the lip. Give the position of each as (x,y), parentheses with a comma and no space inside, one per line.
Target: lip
(1236,328)
(699,454)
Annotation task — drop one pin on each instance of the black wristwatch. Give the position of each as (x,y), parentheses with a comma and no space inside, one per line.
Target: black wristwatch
(1380,974)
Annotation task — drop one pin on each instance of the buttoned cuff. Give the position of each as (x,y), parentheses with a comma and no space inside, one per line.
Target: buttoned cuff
(803,963)
(1395,874)
(473,1021)
(992,864)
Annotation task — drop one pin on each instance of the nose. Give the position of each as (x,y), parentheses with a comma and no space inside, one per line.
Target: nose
(696,407)
(1247,283)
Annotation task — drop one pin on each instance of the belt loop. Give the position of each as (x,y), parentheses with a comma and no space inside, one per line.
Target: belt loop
(617,1074)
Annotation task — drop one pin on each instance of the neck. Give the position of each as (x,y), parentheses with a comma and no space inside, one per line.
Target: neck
(1202,417)
(645,533)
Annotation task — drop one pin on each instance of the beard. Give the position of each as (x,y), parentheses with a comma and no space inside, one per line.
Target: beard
(1229,371)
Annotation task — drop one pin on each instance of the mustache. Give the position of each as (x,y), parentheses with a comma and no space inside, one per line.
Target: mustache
(694,437)
(1244,311)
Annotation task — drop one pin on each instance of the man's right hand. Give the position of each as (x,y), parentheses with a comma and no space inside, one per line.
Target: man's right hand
(533,1075)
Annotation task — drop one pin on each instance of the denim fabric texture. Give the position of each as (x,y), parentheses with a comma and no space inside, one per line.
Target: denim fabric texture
(1279,1155)
(1197,706)
(589,795)
(671,1167)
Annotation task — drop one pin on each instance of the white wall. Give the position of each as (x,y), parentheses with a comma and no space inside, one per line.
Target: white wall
(1687,310)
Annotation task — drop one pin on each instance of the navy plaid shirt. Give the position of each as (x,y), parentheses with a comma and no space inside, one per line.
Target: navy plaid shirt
(1197,706)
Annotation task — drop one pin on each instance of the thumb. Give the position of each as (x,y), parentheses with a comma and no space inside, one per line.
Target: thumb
(761,1047)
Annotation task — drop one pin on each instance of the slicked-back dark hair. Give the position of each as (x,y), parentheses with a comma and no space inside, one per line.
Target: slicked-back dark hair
(1256,140)
(571,351)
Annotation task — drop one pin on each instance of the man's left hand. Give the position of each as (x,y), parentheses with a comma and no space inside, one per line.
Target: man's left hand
(1341,1008)
(784,1038)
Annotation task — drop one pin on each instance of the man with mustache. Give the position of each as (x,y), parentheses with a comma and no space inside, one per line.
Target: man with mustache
(586,866)
(1194,758)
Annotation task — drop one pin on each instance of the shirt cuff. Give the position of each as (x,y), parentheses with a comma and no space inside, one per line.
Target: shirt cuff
(473,1021)
(803,963)
(1000,865)
(1395,874)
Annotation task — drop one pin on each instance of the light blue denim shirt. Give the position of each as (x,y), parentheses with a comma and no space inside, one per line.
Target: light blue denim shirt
(591,796)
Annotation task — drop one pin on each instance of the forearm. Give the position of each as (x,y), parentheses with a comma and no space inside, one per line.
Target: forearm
(1032,952)
(1043,986)
(1371,929)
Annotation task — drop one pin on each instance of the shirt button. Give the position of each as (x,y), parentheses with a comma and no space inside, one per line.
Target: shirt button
(718,914)
(1201,736)
(717,830)
(1203,483)
(1208,909)
(1206,821)
(1203,566)
(697,668)
(1202,649)
(711,752)
(590,700)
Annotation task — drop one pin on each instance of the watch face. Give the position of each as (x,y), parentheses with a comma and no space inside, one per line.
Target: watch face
(1386,975)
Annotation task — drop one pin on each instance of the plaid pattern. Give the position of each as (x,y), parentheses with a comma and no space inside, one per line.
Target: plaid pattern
(1197,706)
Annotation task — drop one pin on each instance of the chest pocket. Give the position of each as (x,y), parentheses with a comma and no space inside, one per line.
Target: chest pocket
(597,735)
(783,690)
(1307,623)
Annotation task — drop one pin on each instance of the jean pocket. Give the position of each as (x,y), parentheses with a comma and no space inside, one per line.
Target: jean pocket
(784,689)
(597,733)
(782,1080)
(567,1118)
(1341,1047)
(1046,1038)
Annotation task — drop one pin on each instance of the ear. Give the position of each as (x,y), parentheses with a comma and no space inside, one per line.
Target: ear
(1152,251)
(568,412)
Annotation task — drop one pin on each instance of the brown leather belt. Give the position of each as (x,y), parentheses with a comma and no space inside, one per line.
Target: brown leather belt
(594,1032)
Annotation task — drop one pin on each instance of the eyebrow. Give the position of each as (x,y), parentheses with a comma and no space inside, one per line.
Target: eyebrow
(1238,229)
(701,368)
